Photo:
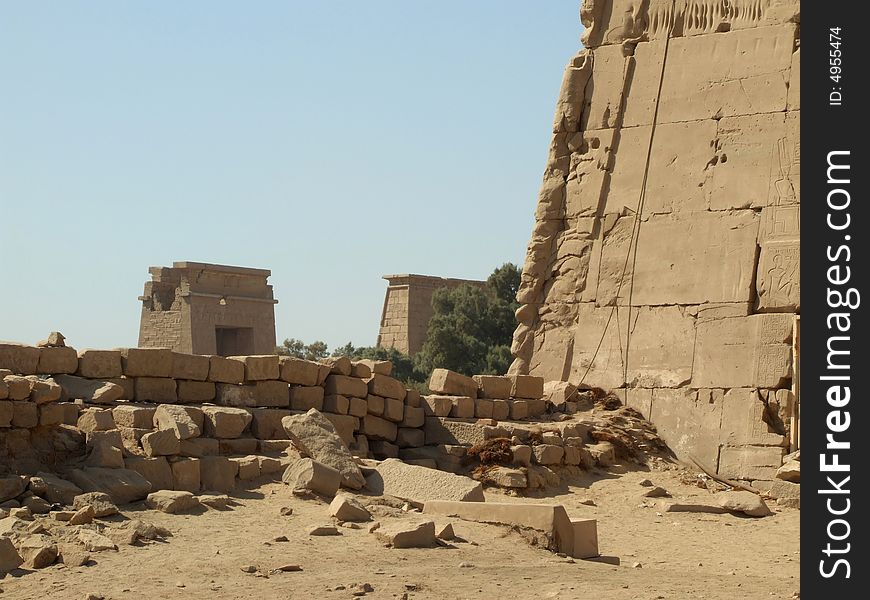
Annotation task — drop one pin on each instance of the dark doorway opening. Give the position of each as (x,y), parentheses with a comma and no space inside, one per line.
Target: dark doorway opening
(234,341)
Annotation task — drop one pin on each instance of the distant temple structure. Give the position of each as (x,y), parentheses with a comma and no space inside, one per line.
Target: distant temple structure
(203,308)
(408,308)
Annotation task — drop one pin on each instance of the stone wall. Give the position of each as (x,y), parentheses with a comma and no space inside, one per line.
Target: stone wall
(408,308)
(201,308)
(664,260)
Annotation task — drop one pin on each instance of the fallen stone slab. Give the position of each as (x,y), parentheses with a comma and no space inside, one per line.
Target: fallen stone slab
(420,485)
(345,508)
(319,530)
(308,475)
(9,557)
(172,501)
(122,485)
(444,381)
(743,502)
(407,534)
(315,436)
(96,391)
(548,523)
(786,493)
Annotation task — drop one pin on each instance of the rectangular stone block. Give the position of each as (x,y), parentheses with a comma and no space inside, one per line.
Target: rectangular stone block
(52,413)
(585,538)
(377,428)
(193,367)
(462,407)
(413,417)
(690,426)
(681,271)
(156,470)
(483,408)
(225,370)
(752,351)
(18,358)
(146,362)
(54,360)
(743,415)
(444,381)
(346,386)
(750,462)
(272,394)
(493,386)
(185,474)
(337,404)
(299,371)
(155,389)
(259,367)
(360,370)
(218,473)
(358,407)
(198,447)
(98,364)
(439,430)
(375,404)
(266,423)
(394,410)
(379,367)
(6,412)
(306,397)
(237,446)
(519,409)
(437,406)
(386,386)
(24,415)
(345,426)
(128,386)
(227,394)
(410,437)
(134,416)
(413,398)
(190,392)
(527,387)
(501,409)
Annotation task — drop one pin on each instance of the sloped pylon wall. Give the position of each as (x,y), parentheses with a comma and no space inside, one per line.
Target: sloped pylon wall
(664,260)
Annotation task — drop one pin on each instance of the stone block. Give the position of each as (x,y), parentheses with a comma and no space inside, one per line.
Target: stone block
(185,421)
(336,403)
(225,370)
(360,370)
(163,442)
(6,413)
(134,415)
(306,397)
(383,450)
(386,386)
(146,362)
(193,367)
(439,430)
(688,424)
(548,454)
(249,467)
(98,364)
(93,391)
(338,365)
(345,426)
(408,534)
(96,419)
(501,410)
(752,351)
(347,508)
(122,485)
(413,417)
(444,381)
(306,474)
(52,414)
(549,519)
(9,557)
(585,538)
(522,455)
(299,372)
(410,438)
(527,387)
(172,501)
(420,485)
(394,410)
(743,415)
(105,455)
(437,406)
(462,407)
(358,407)
(316,436)
(225,422)
(228,394)
(218,473)
(44,390)
(18,358)
(195,392)
(378,429)
(24,414)
(18,387)
(266,423)
(237,446)
(54,360)
(378,367)
(259,367)
(270,465)
(198,447)
(346,386)
(483,408)
(375,404)
(155,389)
(493,386)
(519,409)
(413,398)
(750,462)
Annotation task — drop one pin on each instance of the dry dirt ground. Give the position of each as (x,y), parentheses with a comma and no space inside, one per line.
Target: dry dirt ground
(664,555)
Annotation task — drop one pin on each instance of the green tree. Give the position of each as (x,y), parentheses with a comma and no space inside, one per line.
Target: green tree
(471,328)
(299,349)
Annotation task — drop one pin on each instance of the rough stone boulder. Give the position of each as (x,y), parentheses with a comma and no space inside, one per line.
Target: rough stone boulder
(404,534)
(90,390)
(315,436)
(419,485)
(100,502)
(122,485)
(11,486)
(308,475)
(172,501)
(745,502)
(53,488)
(790,471)
(345,508)
(38,551)
(9,557)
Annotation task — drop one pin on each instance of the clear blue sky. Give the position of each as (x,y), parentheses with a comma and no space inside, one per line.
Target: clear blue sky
(331,142)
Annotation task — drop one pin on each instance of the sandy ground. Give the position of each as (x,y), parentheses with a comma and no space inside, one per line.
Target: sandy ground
(664,555)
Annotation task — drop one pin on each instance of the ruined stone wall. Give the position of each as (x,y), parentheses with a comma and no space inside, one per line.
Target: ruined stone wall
(664,260)
(408,308)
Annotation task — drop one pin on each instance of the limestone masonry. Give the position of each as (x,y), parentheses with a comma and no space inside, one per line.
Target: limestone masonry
(664,260)
(408,308)
(202,308)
